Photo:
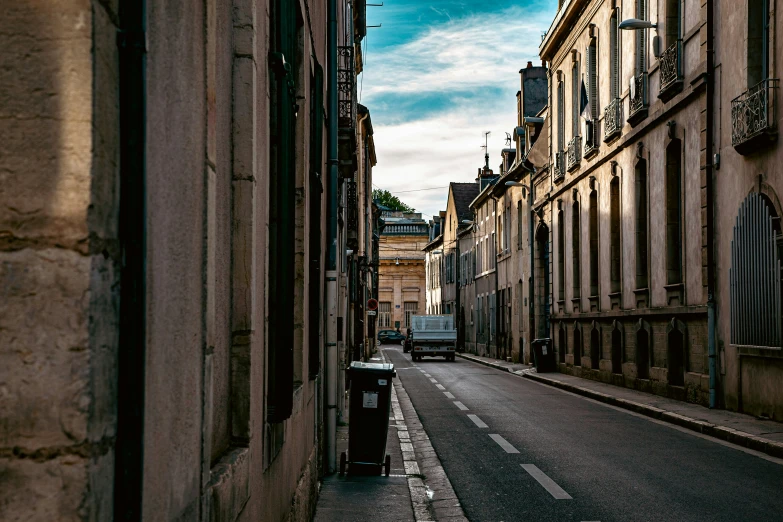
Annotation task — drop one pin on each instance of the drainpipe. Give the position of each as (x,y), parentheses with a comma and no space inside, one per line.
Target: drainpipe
(129,450)
(331,272)
(711,342)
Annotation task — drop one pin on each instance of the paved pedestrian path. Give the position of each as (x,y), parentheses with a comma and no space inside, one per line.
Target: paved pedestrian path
(761,435)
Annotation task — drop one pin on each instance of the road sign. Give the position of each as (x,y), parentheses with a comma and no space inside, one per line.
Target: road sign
(371,312)
(372,304)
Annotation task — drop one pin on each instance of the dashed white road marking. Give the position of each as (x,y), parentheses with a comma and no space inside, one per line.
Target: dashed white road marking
(448,395)
(433,380)
(440,387)
(549,484)
(427,374)
(503,443)
(461,406)
(478,422)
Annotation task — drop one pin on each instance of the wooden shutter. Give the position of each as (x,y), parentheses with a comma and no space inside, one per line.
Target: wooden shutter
(593,80)
(280,362)
(614,43)
(641,43)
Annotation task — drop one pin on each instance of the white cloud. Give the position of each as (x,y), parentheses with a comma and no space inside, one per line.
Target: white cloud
(470,54)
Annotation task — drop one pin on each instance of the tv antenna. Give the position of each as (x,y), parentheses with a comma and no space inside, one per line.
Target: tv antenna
(486,148)
(508,140)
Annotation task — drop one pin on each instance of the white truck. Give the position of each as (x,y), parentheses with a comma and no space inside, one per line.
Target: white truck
(432,335)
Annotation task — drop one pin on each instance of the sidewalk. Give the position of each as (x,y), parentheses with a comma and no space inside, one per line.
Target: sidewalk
(359,498)
(417,488)
(765,436)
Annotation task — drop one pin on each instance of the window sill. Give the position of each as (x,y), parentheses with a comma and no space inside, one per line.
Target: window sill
(674,294)
(576,304)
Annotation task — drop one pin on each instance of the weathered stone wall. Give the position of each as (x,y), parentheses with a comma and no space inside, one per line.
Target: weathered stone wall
(58,260)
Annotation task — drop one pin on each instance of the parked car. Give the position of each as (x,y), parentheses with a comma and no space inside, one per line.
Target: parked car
(390,336)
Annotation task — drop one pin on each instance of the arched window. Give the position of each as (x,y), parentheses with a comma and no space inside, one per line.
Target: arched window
(562,345)
(576,232)
(642,350)
(755,273)
(617,348)
(615,234)
(595,347)
(593,225)
(640,185)
(674,212)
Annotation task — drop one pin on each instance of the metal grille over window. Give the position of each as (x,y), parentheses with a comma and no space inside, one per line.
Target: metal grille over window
(753,114)
(670,65)
(754,277)
(574,152)
(411,309)
(384,315)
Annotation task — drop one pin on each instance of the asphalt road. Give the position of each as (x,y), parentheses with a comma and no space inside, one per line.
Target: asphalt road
(533,452)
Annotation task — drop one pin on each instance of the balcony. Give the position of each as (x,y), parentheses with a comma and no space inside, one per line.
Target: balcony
(346,111)
(574,153)
(753,117)
(352,207)
(671,71)
(638,99)
(559,171)
(591,138)
(613,120)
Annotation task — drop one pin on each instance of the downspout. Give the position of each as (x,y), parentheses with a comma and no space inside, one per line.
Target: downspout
(331,272)
(711,342)
(497,270)
(530,243)
(131,356)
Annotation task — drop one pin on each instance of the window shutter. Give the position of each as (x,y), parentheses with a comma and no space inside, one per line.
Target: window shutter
(614,42)
(560,116)
(593,80)
(641,44)
(575,99)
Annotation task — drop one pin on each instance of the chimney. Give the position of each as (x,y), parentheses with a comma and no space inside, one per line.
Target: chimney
(529,65)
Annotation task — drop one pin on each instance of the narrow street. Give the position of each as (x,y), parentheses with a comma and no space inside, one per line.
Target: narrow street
(518,450)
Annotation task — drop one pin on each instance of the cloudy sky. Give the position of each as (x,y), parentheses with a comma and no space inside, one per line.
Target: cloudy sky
(437,75)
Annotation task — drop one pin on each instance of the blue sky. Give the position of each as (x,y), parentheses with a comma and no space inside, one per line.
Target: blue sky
(437,75)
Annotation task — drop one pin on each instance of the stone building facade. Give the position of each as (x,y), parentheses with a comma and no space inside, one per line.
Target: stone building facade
(748,186)
(625,190)
(402,277)
(164,315)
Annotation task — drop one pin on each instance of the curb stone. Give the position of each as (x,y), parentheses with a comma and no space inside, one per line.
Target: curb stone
(740,438)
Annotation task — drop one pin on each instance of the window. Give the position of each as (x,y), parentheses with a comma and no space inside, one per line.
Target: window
(560,116)
(614,233)
(282,127)
(758,42)
(384,314)
(593,232)
(640,185)
(672,26)
(560,256)
(519,225)
(673,213)
(592,93)
(575,99)
(494,260)
(576,232)
(641,38)
(614,56)
(411,308)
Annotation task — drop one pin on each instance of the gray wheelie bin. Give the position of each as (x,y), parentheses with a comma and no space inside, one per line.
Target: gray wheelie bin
(544,355)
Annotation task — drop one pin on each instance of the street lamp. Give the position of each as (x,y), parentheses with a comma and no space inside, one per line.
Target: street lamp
(635,23)
(518,184)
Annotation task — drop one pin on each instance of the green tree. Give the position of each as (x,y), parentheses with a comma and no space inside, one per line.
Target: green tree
(387,199)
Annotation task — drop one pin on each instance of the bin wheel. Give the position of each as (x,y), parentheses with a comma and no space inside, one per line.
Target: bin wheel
(388,465)
(342,463)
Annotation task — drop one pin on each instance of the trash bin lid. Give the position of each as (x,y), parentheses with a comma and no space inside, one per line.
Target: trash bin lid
(377,368)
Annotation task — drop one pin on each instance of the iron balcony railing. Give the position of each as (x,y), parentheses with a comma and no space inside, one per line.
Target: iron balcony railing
(559,171)
(638,95)
(670,64)
(753,113)
(346,79)
(612,119)
(591,137)
(574,152)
